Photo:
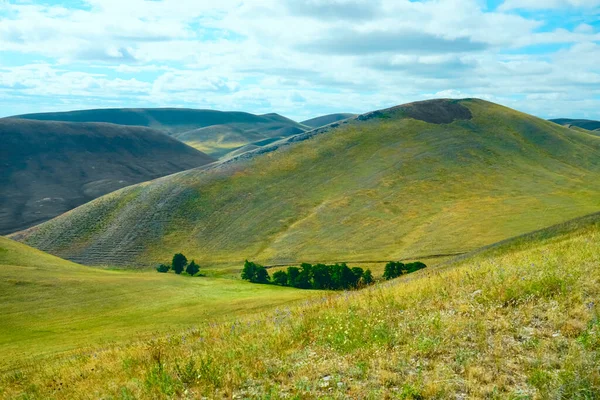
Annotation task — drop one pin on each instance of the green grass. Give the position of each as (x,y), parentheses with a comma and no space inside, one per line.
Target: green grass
(517,320)
(50,305)
(383,189)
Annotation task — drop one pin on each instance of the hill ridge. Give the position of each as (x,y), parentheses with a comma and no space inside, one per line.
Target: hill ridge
(364,190)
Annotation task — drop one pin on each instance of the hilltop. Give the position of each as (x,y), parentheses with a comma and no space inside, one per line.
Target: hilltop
(518,319)
(424,179)
(587,124)
(213,132)
(323,120)
(51,167)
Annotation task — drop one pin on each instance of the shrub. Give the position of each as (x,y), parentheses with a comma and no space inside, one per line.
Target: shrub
(163,268)
(192,268)
(179,262)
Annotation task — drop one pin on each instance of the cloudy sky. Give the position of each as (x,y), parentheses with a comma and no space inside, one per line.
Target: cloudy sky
(299,58)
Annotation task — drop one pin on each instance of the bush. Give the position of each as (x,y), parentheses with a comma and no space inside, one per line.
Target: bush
(179,262)
(163,268)
(192,268)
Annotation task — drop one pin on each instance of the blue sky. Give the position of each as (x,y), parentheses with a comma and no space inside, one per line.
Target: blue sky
(299,58)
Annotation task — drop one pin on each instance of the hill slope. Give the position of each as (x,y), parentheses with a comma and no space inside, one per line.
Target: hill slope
(426,178)
(213,132)
(581,123)
(326,119)
(51,167)
(51,305)
(518,320)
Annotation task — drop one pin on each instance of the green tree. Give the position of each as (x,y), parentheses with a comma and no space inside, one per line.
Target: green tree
(357,273)
(367,278)
(321,276)
(179,262)
(304,279)
(293,273)
(164,268)
(280,278)
(192,268)
(261,276)
(249,271)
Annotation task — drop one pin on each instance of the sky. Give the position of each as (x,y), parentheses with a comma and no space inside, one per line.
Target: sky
(299,58)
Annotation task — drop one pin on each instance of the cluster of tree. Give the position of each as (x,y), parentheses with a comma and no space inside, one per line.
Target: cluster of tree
(394,269)
(307,276)
(180,264)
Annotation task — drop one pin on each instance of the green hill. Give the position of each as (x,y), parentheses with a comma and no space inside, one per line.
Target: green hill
(581,123)
(326,119)
(423,179)
(51,167)
(210,131)
(516,320)
(50,305)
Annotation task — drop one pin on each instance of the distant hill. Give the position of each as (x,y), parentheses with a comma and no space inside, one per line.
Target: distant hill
(590,125)
(326,119)
(213,132)
(51,167)
(421,179)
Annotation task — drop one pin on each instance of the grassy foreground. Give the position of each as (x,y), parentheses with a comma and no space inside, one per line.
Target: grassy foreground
(518,320)
(51,306)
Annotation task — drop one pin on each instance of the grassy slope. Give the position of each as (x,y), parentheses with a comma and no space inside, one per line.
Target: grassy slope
(51,167)
(210,131)
(580,123)
(326,119)
(517,320)
(51,305)
(386,188)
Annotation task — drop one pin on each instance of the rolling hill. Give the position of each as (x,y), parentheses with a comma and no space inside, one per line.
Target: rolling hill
(326,119)
(51,167)
(587,124)
(210,131)
(422,179)
(50,305)
(518,319)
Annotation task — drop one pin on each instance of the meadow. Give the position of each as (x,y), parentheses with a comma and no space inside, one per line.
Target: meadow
(519,320)
(51,306)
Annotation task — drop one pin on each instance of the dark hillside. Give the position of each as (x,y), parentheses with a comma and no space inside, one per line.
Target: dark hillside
(51,167)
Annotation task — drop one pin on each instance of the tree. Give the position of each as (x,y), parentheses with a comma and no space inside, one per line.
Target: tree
(414,266)
(164,268)
(192,268)
(280,278)
(261,276)
(367,278)
(293,273)
(255,273)
(303,280)
(400,269)
(357,273)
(249,271)
(179,262)
(321,276)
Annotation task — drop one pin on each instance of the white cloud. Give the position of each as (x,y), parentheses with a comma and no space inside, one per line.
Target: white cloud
(270,55)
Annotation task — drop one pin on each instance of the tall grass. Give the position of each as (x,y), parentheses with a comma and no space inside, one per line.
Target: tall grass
(518,321)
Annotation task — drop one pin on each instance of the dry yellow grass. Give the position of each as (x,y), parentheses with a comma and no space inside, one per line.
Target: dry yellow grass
(516,321)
